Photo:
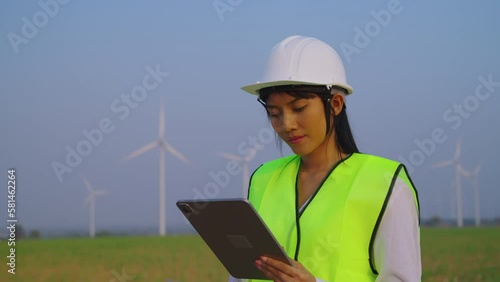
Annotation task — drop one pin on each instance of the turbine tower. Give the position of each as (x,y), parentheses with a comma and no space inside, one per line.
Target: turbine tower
(164,147)
(90,201)
(477,209)
(243,160)
(459,172)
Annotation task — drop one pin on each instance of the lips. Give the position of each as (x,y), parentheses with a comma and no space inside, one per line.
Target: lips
(295,139)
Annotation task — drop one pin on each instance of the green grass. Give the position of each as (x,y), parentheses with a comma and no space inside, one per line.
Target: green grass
(183,258)
(447,255)
(469,254)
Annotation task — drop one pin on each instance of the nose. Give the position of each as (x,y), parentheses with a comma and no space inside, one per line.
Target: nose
(288,122)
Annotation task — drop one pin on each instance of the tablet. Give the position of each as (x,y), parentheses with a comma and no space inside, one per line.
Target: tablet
(235,233)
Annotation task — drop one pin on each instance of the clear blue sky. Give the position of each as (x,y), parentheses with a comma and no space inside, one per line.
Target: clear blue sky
(64,76)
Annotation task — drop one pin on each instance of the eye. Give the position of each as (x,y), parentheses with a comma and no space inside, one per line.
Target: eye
(299,109)
(273,114)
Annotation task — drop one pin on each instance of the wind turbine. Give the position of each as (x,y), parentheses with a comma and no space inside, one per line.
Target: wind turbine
(453,208)
(459,172)
(164,147)
(477,210)
(90,201)
(243,160)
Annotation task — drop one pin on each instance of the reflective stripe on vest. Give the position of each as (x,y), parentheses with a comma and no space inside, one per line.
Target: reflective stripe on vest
(333,235)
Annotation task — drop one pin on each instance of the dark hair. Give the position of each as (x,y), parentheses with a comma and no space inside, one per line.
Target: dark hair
(343,135)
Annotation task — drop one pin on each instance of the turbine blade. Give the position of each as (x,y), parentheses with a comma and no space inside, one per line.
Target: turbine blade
(251,155)
(161,124)
(100,193)
(458,149)
(231,157)
(176,153)
(87,184)
(478,168)
(141,151)
(463,171)
(86,202)
(442,164)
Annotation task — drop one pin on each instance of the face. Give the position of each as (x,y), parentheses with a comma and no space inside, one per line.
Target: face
(300,122)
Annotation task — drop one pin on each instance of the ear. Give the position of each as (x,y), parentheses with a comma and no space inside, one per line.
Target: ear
(337,102)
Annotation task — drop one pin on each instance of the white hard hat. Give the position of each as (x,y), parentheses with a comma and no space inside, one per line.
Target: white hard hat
(300,60)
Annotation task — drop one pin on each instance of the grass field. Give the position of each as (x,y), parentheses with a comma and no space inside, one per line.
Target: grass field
(447,255)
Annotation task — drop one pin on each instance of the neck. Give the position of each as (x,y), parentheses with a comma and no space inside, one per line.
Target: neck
(323,158)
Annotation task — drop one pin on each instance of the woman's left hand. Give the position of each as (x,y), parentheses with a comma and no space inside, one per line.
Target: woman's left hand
(282,272)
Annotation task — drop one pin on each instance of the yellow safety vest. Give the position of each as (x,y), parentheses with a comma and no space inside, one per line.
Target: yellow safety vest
(333,236)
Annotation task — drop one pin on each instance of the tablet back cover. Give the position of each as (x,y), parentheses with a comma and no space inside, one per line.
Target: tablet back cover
(235,233)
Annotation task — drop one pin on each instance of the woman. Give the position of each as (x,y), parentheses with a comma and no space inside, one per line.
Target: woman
(339,214)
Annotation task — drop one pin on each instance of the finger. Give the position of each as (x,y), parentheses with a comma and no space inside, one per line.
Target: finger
(281,266)
(271,272)
(270,275)
(297,264)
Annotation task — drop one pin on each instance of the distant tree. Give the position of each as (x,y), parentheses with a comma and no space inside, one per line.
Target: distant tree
(496,221)
(35,234)
(20,233)
(75,234)
(103,233)
(435,221)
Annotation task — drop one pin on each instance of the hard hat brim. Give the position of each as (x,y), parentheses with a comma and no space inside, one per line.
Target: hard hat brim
(255,88)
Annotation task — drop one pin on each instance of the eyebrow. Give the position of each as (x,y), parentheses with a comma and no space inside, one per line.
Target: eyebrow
(291,102)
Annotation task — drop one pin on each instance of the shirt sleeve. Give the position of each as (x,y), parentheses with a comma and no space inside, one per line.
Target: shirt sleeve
(397,243)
